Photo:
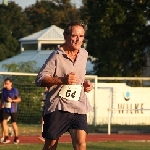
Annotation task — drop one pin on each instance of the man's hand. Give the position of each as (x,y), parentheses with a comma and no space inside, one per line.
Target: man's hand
(87,86)
(72,78)
(10,100)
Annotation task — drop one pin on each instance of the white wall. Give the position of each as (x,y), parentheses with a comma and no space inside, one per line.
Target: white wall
(112,95)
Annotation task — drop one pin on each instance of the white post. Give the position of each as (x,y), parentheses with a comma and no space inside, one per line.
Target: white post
(39,45)
(95,100)
(109,116)
(109,121)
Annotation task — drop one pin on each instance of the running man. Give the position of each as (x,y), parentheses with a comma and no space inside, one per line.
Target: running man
(10,130)
(10,100)
(1,119)
(66,105)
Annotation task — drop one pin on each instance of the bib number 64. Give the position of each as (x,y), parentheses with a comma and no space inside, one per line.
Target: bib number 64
(70,92)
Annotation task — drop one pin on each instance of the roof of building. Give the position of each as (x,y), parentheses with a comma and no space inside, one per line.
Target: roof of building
(28,55)
(33,55)
(51,33)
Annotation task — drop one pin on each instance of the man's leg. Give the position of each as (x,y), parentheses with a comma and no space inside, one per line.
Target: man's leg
(5,127)
(78,139)
(50,144)
(1,122)
(2,130)
(15,127)
(14,124)
(2,133)
(55,125)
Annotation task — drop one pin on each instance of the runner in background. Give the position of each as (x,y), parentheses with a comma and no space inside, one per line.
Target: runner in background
(10,130)
(10,100)
(1,118)
(43,99)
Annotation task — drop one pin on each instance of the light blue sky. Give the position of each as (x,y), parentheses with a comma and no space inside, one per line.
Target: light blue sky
(25,3)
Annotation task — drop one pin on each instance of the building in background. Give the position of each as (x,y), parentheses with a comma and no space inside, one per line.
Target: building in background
(38,46)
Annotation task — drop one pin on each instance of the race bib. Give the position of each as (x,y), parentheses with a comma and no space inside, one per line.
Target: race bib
(7,105)
(71,92)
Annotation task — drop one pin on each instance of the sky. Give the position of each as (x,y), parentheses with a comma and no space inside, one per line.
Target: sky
(26,3)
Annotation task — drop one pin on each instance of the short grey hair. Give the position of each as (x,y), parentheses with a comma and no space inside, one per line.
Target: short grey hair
(69,26)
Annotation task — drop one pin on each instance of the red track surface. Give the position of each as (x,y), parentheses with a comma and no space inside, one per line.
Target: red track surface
(91,138)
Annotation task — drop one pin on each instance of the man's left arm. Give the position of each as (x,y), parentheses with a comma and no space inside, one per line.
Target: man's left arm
(87,86)
(1,103)
(16,98)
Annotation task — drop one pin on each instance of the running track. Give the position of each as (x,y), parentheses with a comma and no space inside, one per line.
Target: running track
(91,138)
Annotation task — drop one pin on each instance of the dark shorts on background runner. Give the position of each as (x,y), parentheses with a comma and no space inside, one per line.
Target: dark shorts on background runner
(13,116)
(59,122)
(1,115)
(43,108)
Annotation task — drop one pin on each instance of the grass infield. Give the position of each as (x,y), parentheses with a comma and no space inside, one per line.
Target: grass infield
(90,146)
(30,129)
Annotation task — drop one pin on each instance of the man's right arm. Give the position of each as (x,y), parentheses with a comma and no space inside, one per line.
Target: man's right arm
(47,81)
(50,81)
(46,78)
(1,102)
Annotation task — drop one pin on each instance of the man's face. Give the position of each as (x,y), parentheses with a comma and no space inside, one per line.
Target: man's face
(75,39)
(8,85)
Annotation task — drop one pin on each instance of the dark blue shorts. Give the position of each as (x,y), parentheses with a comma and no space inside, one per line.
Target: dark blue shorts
(13,116)
(59,122)
(1,115)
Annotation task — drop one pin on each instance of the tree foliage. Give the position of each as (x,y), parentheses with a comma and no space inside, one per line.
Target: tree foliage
(13,25)
(45,13)
(117,35)
(29,67)
(16,23)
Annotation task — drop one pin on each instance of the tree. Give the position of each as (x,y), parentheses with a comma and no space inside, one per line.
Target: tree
(45,13)
(13,25)
(117,35)
(70,12)
(29,67)
(42,14)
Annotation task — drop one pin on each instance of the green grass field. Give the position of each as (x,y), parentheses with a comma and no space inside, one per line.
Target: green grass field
(30,129)
(36,130)
(90,146)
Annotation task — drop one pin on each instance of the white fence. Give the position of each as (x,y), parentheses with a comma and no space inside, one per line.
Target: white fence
(115,103)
